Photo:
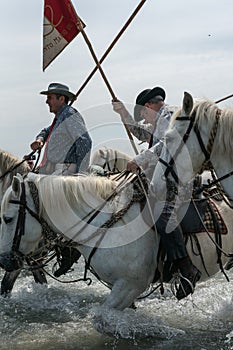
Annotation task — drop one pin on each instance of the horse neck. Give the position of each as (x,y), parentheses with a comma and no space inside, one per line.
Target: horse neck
(75,221)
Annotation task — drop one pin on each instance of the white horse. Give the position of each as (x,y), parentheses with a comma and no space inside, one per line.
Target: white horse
(110,159)
(10,165)
(125,254)
(202,134)
(199,138)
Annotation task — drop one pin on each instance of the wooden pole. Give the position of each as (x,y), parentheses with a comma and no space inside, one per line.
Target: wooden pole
(80,26)
(224,98)
(109,48)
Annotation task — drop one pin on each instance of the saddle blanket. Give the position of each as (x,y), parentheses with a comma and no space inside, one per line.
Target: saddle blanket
(208,218)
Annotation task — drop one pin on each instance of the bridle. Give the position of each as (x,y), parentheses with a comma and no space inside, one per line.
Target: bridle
(20,226)
(206,150)
(49,237)
(47,233)
(107,163)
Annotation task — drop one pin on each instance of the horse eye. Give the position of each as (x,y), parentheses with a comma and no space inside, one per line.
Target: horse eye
(6,219)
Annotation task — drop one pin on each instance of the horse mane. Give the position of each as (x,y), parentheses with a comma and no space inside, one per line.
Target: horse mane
(65,190)
(205,115)
(8,161)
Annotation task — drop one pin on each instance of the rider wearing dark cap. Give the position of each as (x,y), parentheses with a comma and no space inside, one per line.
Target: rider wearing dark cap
(166,220)
(151,115)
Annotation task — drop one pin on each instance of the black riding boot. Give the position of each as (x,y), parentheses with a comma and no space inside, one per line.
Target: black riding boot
(69,257)
(175,248)
(190,276)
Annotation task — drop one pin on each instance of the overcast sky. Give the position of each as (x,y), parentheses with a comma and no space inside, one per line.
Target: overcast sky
(180,45)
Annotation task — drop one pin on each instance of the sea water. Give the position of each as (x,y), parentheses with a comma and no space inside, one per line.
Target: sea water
(69,316)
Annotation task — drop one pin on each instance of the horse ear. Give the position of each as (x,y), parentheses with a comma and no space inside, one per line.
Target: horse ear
(187,104)
(101,152)
(16,184)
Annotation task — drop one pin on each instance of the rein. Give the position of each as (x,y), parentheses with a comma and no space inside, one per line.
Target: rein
(8,171)
(169,166)
(206,150)
(20,226)
(213,182)
(207,165)
(51,235)
(48,233)
(107,164)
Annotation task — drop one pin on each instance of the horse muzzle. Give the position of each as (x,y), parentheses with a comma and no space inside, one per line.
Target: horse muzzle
(11,261)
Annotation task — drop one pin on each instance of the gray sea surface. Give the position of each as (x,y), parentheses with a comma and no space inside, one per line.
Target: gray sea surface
(69,316)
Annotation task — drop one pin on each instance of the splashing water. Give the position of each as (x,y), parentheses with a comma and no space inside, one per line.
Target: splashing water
(70,316)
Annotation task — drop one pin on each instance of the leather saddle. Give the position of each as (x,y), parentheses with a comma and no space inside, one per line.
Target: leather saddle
(192,216)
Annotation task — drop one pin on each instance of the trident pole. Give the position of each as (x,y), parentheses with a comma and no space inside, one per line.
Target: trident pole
(224,98)
(127,23)
(80,26)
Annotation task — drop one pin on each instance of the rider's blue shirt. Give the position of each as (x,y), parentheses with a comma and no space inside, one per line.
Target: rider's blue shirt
(69,141)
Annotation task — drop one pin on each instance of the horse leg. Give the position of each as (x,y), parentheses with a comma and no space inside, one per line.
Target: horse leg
(123,295)
(9,279)
(8,282)
(38,274)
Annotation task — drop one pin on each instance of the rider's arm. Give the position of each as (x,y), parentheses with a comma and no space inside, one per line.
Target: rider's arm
(150,156)
(142,132)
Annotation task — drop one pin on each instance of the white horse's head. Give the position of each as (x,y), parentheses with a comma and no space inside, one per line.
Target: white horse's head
(20,231)
(198,133)
(110,159)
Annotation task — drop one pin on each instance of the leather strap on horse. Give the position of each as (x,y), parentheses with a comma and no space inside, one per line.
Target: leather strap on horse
(20,226)
(217,242)
(217,182)
(15,166)
(113,219)
(97,211)
(21,162)
(206,150)
(48,232)
(184,139)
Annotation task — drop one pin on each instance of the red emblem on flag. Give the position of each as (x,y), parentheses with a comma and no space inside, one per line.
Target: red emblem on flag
(60,28)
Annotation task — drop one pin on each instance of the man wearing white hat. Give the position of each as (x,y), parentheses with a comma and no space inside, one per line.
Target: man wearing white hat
(67,142)
(67,148)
